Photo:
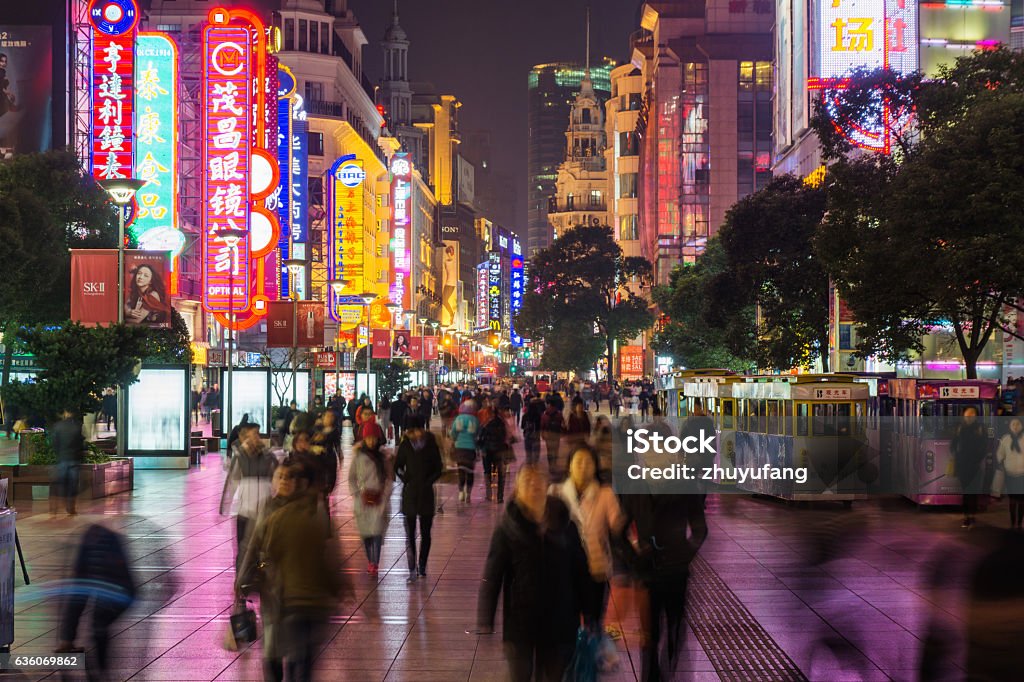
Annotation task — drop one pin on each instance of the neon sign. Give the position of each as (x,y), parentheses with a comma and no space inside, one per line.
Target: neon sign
(156,139)
(401,219)
(299,173)
(281,197)
(865,34)
(227,58)
(113,101)
(494,317)
(516,290)
(481,295)
(346,258)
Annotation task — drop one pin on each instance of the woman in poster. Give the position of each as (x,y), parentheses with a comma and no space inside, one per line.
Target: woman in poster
(401,347)
(147,298)
(450,264)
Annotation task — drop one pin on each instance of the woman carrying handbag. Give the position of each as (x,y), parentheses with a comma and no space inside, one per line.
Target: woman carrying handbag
(369,482)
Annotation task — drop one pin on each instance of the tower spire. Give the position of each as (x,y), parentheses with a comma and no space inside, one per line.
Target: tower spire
(588,38)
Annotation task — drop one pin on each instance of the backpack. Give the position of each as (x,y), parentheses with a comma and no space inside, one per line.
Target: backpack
(492,437)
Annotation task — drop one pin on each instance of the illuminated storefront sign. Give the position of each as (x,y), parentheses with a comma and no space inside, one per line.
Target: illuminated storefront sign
(280,199)
(113,100)
(494,290)
(401,224)
(516,289)
(227,96)
(299,173)
(481,295)
(346,256)
(865,34)
(156,139)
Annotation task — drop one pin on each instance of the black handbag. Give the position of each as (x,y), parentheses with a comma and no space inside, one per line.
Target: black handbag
(243,623)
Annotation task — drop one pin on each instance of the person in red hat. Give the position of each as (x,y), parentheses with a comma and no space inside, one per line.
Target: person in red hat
(369,482)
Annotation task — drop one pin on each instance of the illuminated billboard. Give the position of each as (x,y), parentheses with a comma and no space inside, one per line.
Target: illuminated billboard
(481,295)
(26,89)
(401,230)
(113,102)
(516,289)
(156,140)
(346,257)
(280,199)
(300,173)
(494,298)
(854,34)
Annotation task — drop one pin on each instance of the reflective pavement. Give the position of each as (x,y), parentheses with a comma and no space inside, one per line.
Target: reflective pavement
(780,592)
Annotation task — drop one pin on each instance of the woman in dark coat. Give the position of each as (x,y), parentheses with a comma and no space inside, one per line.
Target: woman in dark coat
(418,465)
(970,447)
(536,562)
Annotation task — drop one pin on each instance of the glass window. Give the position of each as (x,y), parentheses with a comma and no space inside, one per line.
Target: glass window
(628,227)
(728,408)
(595,198)
(585,116)
(801,419)
(314,36)
(303,35)
(289,34)
(325,38)
(746,80)
(627,186)
(316,143)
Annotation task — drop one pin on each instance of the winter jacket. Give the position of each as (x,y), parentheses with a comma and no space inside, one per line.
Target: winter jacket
(399,409)
(970,446)
(363,475)
(530,423)
(67,441)
(1011,460)
(540,572)
(670,529)
(552,421)
(463,432)
(597,516)
(418,470)
(493,437)
(250,475)
(578,428)
(516,401)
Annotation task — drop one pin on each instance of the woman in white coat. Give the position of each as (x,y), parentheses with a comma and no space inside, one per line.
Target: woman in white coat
(1010,468)
(370,484)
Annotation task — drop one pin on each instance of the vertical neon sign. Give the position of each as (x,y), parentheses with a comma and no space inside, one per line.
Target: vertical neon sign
(401,222)
(345,252)
(494,299)
(516,289)
(113,101)
(156,140)
(300,173)
(481,295)
(285,90)
(227,94)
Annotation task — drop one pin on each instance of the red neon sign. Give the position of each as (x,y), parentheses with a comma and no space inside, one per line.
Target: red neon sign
(227,127)
(113,94)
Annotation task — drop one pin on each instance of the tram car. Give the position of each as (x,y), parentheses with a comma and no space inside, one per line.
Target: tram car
(802,438)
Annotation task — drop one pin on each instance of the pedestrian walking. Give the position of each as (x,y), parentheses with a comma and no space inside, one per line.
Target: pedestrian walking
(601,442)
(645,404)
(970,447)
(463,433)
(577,427)
(515,402)
(552,425)
(249,477)
(369,483)
(530,425)
(1009,476)
(109,407)
(537,566)
(399,410)
(69,447)
(195,397)
(615,404)
(493,443)
(418,465)
(296,554)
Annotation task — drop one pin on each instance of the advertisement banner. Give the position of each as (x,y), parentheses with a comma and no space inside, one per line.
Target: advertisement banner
(631,362)
(345,250)
(113,87)
(94,286)
(400,347)
(381,344)
(325,360)
(516,290)
(494,297)
(300,173)
(481,295)
(26,89)
(310,316)
(449,283)
(146,299)
(430,348)
(401,230)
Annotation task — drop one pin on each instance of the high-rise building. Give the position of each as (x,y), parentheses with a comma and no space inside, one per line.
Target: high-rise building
(622,154)
(707,121)
(552,89)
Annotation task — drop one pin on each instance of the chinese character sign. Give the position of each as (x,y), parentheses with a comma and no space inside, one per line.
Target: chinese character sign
(481,295)
(299,172)
(156,133)
(516,296)
(851,34)
(494,300)
(401,228)
(631,362)
(280,199)
(346,253)
(113,101)
(227,107)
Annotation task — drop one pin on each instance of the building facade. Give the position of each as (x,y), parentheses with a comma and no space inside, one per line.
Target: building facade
(706,123)
(551,90)
(622,156)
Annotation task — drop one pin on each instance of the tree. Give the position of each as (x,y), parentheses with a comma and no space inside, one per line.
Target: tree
(581,282)
(48,205)
(77,364)
(702,327)
(171,346)
(768,242)
(926,241)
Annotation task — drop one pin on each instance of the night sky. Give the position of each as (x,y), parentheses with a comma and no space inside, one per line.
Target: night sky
(481,51)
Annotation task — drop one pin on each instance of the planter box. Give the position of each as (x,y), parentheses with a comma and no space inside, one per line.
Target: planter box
(95,480)
(26,445)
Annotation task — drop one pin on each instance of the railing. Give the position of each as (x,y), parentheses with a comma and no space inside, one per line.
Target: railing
(325,108)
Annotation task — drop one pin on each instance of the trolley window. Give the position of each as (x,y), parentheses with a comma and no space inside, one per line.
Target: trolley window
(728,417)
(802,421)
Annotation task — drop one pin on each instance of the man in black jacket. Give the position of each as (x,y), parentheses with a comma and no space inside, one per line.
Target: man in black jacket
(418,465)
(399,411)
(68,444)
(536,562)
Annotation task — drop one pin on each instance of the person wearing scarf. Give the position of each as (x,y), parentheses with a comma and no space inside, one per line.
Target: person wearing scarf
(1010,458)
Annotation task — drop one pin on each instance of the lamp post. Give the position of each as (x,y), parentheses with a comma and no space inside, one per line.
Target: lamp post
(295,266)
(121,191)
(231,236)
(434,324)
(337,285)
(368,297)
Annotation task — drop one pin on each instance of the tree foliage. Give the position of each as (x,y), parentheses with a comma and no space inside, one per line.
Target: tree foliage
(579,283)
(928,240)
(77,364)
(172,346)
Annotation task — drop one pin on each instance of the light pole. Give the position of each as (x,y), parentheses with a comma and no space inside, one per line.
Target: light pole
(231,237)
(434,324)
(295,266)
(337,285)
(368,297)
(121,191)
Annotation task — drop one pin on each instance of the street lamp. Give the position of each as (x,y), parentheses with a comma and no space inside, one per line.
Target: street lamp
(295,267)
(434,324)
(230,236)
(337,285)
(121,191)
(368,297)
